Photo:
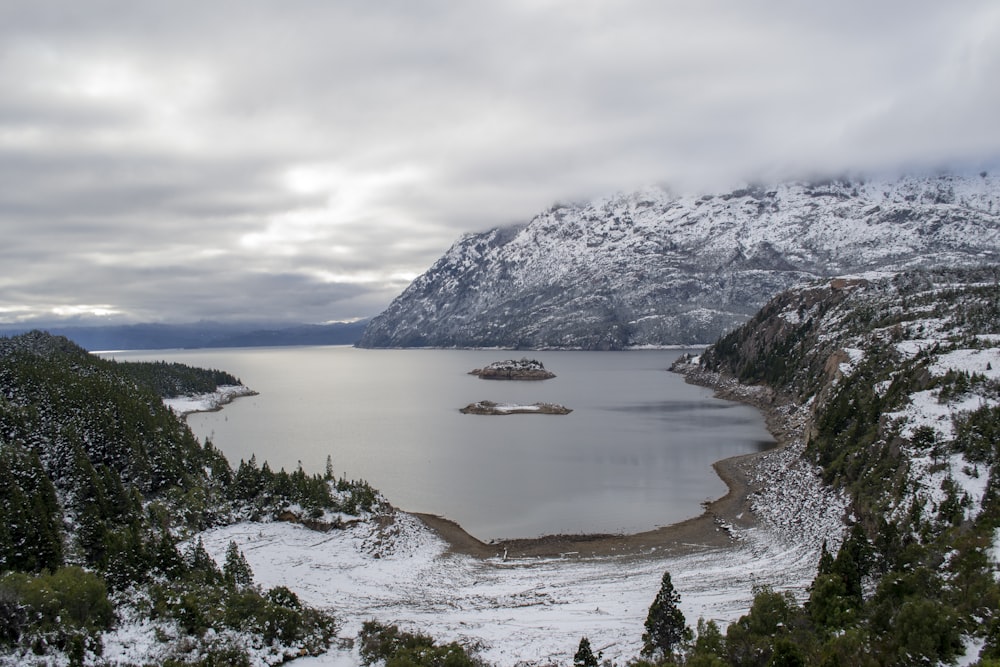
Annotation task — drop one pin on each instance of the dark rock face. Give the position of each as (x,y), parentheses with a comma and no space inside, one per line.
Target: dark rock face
(650,268)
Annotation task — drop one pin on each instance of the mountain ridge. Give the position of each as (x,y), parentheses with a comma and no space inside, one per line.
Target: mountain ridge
(651,268)
(158,336)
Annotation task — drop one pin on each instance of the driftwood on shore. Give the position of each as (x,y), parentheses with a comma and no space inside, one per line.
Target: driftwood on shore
(512,369)
(492,408)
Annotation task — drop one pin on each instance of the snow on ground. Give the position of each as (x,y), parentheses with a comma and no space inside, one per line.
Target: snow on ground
(930,471)
(137,640)
(924,409)
(855,357)
(525,610)
(223,394)
(511,407)
(529,610)
(984,362)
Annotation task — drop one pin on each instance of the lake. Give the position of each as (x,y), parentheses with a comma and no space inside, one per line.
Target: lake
(635,453)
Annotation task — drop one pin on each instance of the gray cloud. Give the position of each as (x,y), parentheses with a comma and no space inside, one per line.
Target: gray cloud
(248,159)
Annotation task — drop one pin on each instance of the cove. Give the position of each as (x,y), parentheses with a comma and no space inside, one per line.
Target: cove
(635,453)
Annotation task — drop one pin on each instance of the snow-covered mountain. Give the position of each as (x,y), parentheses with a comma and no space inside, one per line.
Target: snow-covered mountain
(651,268)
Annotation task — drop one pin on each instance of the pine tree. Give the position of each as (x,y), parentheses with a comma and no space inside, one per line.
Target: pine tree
(200,564)
(166,557)
(709,648)
(31,538)
(236,569)
(584,655)
(666,628)
(853,560)
(825,561)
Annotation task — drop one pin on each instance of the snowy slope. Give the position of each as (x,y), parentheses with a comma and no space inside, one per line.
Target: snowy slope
(650,268)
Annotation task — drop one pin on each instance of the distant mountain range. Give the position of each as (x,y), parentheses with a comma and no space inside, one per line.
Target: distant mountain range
(651,268)
(202,334)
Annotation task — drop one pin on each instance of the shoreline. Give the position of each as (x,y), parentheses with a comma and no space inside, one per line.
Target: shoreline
(712,529)
(709,530)
(213,401)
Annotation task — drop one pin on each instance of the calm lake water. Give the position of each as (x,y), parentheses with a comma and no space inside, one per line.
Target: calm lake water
(636,452)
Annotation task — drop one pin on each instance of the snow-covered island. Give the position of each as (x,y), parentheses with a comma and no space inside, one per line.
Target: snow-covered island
(512,369)
(492,408)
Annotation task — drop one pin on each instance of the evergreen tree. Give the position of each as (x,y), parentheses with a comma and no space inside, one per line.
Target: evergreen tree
(128,560)
(6,541)
(236,570)
(853,561)
(91,509)
(829,606)
(584,656)
(786,654)
(825,561)
(200,564)
(666,628)
(247,481)
(165,557)
(709,647)
(752,639)
(31,537)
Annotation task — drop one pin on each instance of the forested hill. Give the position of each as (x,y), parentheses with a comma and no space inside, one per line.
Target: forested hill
(99,485)
(81,415)
(901,378)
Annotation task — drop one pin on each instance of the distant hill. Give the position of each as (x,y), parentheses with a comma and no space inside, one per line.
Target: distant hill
(652,268)
(202,334)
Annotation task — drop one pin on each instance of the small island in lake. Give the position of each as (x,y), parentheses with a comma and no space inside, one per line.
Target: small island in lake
(492,408)
(525,369)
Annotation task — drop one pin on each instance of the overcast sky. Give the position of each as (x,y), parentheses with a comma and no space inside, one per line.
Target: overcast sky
(304,160)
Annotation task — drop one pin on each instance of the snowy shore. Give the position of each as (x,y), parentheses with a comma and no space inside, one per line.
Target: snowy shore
(210,402)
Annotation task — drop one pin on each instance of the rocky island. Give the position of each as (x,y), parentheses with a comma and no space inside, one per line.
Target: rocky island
(492,408)
(511,369)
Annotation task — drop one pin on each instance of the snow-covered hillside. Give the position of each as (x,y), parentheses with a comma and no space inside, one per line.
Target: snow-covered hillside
(899,375)
(650,268)
(925,348)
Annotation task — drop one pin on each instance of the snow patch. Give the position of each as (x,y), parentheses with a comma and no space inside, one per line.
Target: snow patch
(984,362)
(855,357)
(223,394)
